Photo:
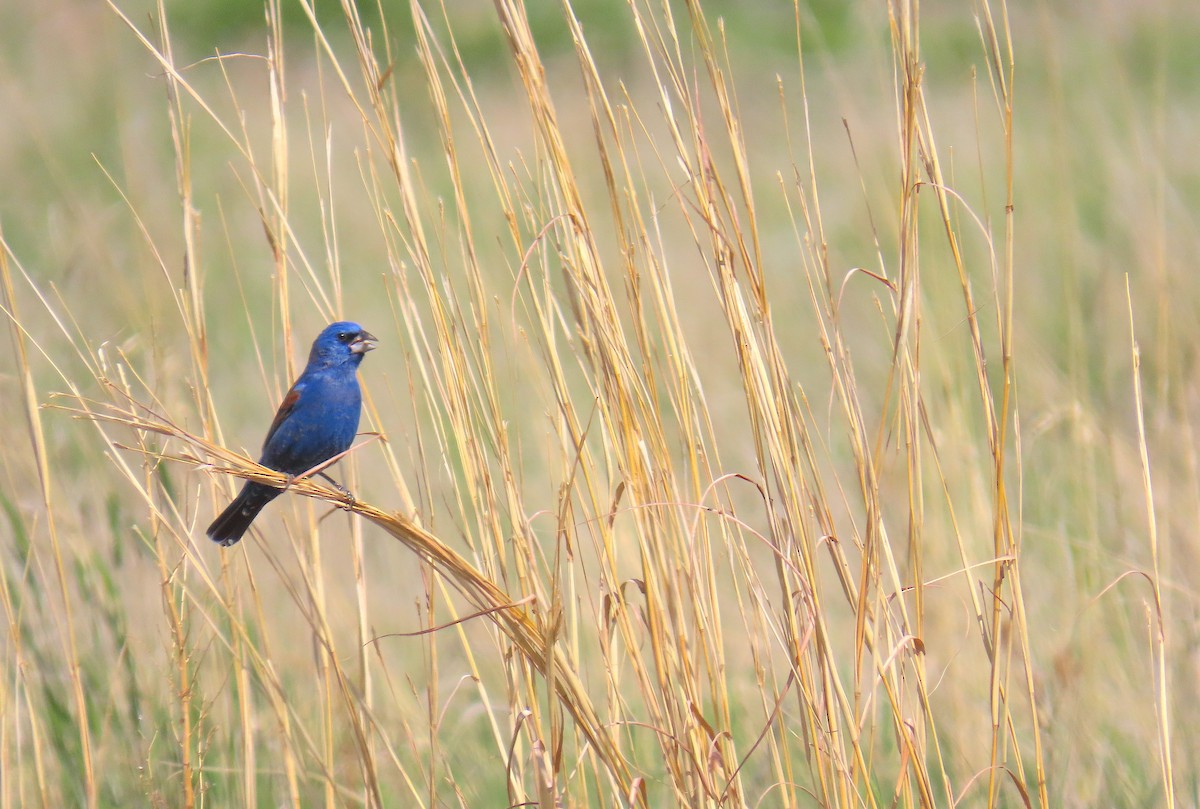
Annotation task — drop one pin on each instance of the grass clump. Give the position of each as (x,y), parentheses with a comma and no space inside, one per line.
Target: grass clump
(723,463)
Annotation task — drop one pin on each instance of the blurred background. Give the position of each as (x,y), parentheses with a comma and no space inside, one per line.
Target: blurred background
(1106,227)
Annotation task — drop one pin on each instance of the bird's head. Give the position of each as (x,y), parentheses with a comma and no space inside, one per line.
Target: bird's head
(342,342)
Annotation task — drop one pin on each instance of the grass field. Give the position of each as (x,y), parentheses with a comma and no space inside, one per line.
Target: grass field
(774,407)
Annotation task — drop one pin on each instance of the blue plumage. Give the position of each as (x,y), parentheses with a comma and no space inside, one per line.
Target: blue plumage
(317,419)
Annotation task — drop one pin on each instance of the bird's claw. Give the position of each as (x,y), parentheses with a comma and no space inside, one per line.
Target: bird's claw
(347,496)
(347,501)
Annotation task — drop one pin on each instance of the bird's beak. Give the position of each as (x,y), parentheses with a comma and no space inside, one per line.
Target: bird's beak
(364,342)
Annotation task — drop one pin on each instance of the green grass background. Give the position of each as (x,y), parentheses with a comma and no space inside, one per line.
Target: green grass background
(1107,200)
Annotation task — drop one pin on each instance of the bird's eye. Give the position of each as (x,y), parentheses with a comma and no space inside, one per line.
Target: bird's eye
(343,336)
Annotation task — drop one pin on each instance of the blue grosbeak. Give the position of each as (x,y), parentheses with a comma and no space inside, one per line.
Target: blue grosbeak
(317,420)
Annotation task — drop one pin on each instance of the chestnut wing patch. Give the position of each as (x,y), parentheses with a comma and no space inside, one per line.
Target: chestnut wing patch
(285,409)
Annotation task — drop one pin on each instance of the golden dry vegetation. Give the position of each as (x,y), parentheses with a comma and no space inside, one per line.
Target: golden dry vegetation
(776,406)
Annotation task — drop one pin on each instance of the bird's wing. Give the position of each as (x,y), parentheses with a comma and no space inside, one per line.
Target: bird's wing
(285,409)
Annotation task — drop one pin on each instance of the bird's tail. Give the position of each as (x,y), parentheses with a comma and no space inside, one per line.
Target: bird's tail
(228,528)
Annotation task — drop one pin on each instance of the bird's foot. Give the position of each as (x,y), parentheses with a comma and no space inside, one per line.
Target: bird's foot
(342,490)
